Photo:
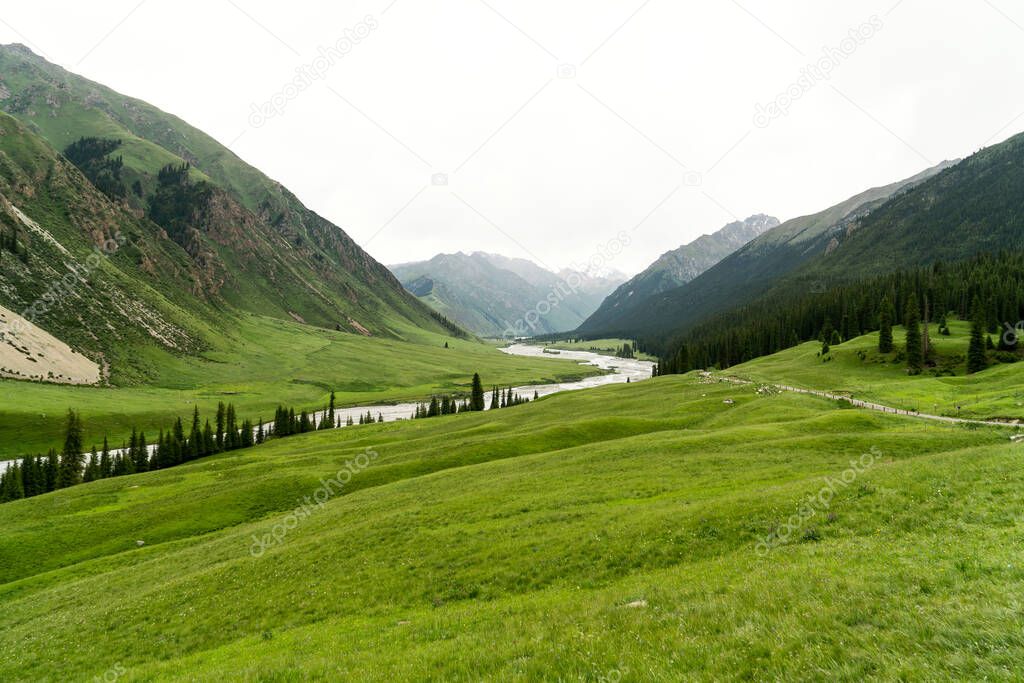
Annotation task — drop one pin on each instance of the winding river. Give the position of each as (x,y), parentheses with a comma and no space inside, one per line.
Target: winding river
(619,371)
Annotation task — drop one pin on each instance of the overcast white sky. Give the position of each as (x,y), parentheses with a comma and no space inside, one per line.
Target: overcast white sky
(560,124)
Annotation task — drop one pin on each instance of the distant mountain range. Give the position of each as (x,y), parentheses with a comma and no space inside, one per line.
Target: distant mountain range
(498,296)
(676,268)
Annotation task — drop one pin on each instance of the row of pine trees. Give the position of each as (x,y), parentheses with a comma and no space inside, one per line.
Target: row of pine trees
(447,405)
(918,349)
(984,290)
(35,475)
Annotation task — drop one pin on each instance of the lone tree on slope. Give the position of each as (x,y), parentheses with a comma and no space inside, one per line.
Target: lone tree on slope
(915,353)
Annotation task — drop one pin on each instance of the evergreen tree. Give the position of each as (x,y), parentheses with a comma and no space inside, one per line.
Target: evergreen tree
(127,460)
(247,434)
(51,470)
(231,429)
(977,359)
(11,484)
(281,421)
(219,435)
(926,342)
(178,444)
(133,446)
(92,467)
(476,396)
(209,439)
(826,331)
(141,463)
(106,466)
(915,352)
(330,413)
(71,460)
(31,477)
(196,445)
(495,399)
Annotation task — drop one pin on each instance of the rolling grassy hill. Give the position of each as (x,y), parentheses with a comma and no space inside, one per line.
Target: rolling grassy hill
(857,368)
(611,534)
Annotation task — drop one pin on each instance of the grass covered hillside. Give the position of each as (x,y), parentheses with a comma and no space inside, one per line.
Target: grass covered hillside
(247,241)
(635,532)
(856,367)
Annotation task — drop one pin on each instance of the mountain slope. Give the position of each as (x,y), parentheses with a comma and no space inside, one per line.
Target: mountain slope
(973,207)
(496,296)
(85,270)
(252,244)
(676,268)
(752,269)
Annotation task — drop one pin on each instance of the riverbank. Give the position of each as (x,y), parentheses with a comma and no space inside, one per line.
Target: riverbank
(618,371)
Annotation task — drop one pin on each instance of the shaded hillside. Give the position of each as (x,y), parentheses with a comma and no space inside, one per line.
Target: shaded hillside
(676,268)
(751,270)
(976,206)
(251,242)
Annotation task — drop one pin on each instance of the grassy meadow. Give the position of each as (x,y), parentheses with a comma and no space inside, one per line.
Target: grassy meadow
(857,368)
(606,346)
(250,370)
(609,534)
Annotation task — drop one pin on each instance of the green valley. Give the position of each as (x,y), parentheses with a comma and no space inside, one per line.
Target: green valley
(549,532)
(547,443)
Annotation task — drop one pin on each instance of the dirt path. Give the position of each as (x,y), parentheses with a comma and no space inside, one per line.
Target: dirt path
(872,406)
